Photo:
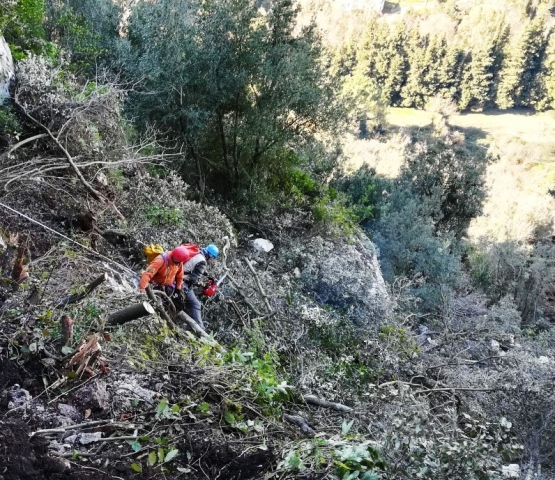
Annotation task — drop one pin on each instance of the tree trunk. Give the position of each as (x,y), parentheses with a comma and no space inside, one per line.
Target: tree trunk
(130,313)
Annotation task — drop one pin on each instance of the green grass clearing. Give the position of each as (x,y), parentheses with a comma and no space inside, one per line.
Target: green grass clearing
(536,129)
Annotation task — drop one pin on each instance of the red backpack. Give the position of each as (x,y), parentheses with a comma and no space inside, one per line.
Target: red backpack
(192,250)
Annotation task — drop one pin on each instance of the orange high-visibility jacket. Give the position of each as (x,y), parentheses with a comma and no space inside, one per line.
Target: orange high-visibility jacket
(162,274)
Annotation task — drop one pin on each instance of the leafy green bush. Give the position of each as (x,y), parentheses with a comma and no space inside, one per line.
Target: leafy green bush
(351,457)
(419,444)
(160,215)
(361,191)
(84,30)
(9,123)
(22,24)
(451,179)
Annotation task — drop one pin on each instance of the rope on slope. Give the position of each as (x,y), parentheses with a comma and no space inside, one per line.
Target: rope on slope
(84,247)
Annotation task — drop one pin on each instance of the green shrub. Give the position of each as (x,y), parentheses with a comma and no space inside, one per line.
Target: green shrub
(22,24)
(9,123)
(160,215)
(361,191)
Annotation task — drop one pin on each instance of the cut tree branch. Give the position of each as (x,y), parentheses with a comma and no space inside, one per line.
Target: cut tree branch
(130,313)
(96,195)
(84,291)
(300,422)
(159,307)
(313,400)
(261,290)
(23,142)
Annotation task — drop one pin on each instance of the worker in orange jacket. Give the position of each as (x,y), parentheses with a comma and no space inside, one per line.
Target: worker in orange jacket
(166,270)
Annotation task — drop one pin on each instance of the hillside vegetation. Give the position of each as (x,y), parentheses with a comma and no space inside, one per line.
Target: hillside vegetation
(400,324)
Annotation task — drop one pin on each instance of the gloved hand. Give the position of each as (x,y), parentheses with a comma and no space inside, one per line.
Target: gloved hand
(181,295)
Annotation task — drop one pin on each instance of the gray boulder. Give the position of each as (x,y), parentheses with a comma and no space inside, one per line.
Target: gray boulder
(6,69)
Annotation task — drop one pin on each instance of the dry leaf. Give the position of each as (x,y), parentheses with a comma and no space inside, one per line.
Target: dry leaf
(87,413)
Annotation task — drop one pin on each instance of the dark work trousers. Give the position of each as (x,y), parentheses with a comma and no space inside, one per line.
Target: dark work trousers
(193,306)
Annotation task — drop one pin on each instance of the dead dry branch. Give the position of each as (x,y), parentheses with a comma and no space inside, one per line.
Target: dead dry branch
(313,400)
(83,292)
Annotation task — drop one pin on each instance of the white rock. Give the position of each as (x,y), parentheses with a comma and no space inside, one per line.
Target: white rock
(262,245)
(297,272)
(86,438)
(102,179)
(511,471)
(494,345)
(6,69)
(543,360)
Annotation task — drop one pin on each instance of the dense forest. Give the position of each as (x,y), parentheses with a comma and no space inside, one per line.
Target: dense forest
(388,294)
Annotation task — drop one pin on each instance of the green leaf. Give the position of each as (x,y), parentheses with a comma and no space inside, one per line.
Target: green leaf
(160,454)
(369,476)
(162,405)
(136,446)
(66,350)
(151,459)
(137,467)
(204,407)
(346,427)
(229,417)
(242,426)
(171,455)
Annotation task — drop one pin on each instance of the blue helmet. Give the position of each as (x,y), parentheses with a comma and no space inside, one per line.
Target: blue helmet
(210,251)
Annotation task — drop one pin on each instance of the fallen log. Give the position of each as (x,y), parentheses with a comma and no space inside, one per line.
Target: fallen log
(132,312)
(195,327)
(84,291)
(300,422)
(313,400)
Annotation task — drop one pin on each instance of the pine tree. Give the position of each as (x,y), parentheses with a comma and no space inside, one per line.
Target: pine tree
(522,65)
(548,73)
(477,79)
(413,92)
(398,65)
(541,91)
(451,72)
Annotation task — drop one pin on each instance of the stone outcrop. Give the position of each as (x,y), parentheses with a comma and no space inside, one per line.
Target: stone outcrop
(6,69)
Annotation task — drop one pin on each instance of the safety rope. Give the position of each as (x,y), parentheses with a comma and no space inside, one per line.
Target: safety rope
(67,238)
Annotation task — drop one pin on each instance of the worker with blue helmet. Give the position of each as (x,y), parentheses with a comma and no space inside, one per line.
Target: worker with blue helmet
(193,271)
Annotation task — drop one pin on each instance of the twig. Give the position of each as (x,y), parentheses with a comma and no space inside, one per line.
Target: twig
(459,389)
(73,388)
(70,427)
(65,237)
(170,304)
(259,285)
(464,362)
(245,298)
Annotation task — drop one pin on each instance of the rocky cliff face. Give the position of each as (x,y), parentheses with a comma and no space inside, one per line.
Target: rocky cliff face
(6,69)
